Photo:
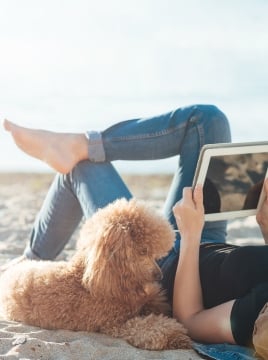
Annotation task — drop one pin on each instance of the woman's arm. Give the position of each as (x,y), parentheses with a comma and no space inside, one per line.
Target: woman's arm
(262,215)
(211,325)
(189,214)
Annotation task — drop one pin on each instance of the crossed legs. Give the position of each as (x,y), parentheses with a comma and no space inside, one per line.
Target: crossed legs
(84,185)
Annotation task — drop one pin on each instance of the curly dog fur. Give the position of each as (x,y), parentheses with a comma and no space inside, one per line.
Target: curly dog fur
(109,286)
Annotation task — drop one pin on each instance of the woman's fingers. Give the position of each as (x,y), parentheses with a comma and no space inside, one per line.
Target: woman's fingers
(189,213)
(198,196)
(187,193)
(266,187)
(191,197)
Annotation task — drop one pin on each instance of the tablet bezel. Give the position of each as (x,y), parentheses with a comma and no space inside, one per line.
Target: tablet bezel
(219,149)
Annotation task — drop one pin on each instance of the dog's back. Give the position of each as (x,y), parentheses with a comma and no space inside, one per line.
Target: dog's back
(111,280)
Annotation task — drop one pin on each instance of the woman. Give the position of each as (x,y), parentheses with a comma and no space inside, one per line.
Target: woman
(217,290)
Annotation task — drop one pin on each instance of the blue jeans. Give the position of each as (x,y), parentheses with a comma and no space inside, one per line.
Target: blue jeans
(94,183)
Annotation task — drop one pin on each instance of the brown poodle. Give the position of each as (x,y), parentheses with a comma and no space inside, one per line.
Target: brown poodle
(109,286)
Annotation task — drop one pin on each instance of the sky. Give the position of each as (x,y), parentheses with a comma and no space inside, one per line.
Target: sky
(83,64)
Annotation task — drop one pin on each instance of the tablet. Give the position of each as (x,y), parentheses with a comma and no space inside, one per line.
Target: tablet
(232,176)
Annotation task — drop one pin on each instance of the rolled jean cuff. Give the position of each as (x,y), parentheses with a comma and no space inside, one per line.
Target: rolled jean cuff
(96,151)
(28,252)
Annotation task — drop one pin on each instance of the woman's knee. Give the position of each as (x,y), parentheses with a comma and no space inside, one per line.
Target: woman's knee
(215,123)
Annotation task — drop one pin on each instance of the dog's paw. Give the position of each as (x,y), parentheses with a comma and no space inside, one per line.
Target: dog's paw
(154,332)
(178,340)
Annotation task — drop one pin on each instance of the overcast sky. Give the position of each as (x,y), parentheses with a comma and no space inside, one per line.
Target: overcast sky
(82,63)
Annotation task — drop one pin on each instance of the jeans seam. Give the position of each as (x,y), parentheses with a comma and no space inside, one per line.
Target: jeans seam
(149,136)
(200,130)
(170,130)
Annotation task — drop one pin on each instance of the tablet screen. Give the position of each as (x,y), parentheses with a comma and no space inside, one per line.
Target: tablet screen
(234,182)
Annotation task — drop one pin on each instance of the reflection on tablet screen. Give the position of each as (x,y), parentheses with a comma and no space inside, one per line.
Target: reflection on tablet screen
(234,182)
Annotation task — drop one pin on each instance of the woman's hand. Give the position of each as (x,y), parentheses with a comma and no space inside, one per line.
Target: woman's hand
(262,215)
(189,213)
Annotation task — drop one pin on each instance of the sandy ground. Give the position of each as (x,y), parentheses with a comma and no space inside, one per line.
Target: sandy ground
(20,198)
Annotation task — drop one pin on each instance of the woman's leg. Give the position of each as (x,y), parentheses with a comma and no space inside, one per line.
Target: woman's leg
(207,125)
(72,196)
(182,131)
(93,184)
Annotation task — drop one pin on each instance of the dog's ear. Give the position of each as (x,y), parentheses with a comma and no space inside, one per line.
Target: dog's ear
(118,240)
(111,267)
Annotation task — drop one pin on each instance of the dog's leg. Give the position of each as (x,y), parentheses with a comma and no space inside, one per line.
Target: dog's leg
(153,332)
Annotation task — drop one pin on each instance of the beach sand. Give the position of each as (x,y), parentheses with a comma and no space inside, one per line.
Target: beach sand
(21,196)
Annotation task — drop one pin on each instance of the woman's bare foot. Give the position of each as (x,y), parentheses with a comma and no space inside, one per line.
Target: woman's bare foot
(61,151)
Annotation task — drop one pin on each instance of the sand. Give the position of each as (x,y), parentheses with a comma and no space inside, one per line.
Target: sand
(21,196)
